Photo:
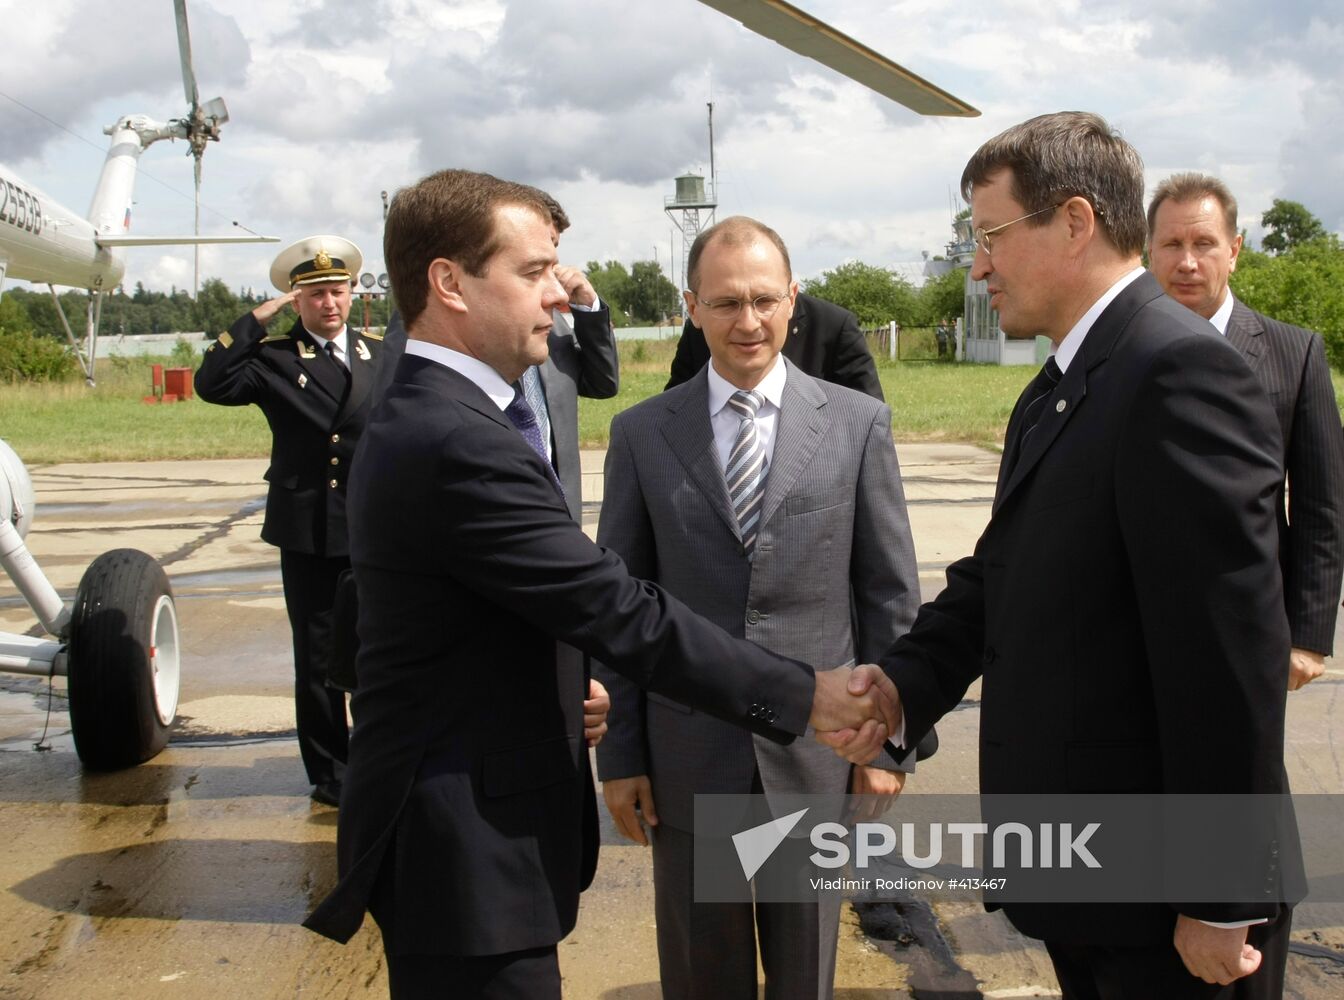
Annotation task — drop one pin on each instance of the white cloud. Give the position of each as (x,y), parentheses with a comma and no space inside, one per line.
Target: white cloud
(603,103)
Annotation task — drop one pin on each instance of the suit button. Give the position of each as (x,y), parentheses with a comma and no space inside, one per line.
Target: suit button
(753,617)
(335,439)
(334,483)
(991,654)
(335,460)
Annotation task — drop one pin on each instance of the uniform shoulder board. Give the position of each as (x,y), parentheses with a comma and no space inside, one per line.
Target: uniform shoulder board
(275,337)
(372,336)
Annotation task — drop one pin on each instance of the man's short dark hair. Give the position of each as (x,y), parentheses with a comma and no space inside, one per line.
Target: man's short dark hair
(1055,157)
(450,214)
(1192,186)
(736,230)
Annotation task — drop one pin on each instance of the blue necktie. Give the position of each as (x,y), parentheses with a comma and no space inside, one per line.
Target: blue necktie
(536,399)
(522,417)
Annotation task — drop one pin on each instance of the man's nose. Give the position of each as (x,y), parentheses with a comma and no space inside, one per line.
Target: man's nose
(556,295)
(981,265)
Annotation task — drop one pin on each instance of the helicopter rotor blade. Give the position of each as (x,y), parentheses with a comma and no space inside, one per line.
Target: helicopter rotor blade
(184,51)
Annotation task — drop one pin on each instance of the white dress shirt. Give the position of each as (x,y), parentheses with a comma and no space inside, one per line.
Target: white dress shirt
(725,421)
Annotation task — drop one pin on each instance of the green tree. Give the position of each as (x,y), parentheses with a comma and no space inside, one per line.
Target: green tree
(216,308)
(873,294)
(1289,224)
(611,281)
(943,297)
(13,317)
(652,297)
(1303,286)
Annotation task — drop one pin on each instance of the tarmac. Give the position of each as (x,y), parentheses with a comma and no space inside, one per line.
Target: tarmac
(187,877)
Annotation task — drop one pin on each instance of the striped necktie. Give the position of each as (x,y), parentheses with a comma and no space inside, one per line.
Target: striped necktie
(745,471)
(536,399)
(522,417)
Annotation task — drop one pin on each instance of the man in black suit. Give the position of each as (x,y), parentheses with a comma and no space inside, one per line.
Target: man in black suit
(1123,606)
(824,341)
(1193,245)
(469,822)
(313,383)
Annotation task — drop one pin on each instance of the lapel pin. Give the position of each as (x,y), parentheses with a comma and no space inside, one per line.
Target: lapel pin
(362,350)
(303,380)
(1059,407)
(306,351)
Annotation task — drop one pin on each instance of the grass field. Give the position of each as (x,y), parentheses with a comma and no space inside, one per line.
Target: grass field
(930,401)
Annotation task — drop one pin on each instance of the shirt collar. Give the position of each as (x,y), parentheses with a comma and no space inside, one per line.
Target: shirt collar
(1224,313)
(1072,343)
(481,375)
(339,339)
(771,387)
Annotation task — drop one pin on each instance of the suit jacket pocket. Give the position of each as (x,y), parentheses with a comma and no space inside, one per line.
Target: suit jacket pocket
(527,768)
(666,702)
(818,501)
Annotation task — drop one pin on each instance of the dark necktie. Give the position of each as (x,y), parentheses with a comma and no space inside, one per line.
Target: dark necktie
(522,417)
(336,360)
(1040,389)
(746,468)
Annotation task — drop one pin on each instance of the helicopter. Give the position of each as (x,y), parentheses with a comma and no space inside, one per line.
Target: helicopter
(44,242)
(118,641)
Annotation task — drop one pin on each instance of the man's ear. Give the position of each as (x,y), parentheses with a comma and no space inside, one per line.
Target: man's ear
(1082,221)
(445,284)
(689,297)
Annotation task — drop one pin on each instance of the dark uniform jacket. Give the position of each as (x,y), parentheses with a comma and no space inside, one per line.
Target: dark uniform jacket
(315,422)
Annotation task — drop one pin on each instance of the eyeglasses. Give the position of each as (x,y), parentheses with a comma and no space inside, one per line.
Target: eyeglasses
(726,310)
(982,235)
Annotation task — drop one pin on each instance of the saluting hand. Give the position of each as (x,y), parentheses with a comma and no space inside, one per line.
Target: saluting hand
(269,309)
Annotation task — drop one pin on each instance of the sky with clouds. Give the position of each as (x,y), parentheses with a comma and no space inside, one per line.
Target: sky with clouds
(602,102)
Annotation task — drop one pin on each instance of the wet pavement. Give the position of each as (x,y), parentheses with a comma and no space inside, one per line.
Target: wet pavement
(187,877)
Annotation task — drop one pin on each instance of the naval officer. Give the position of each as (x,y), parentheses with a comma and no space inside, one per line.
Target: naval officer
(313,383)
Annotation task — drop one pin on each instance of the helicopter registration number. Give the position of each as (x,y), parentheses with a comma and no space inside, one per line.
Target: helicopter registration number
(20,208)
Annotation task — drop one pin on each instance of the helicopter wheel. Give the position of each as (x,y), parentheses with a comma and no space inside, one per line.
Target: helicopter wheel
(124,661)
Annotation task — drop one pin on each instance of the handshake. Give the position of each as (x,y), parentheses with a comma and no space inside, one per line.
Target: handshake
(855,710)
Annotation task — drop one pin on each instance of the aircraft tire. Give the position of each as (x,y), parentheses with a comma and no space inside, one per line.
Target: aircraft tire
(124,661)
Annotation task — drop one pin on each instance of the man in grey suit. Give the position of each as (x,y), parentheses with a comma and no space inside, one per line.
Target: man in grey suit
(764,499)
(1193,245)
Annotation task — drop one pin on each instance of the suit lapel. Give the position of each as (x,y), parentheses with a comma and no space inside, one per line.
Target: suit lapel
(1244,332)
(315,364)
(799,430)
(1068,396)
(361,376)
(688,433)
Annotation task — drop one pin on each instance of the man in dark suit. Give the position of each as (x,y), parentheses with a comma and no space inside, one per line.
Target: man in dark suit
(313,383)
(581,360)
(1123,606)
(822,519)
(469,823)
(824,341)
(1193,245)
